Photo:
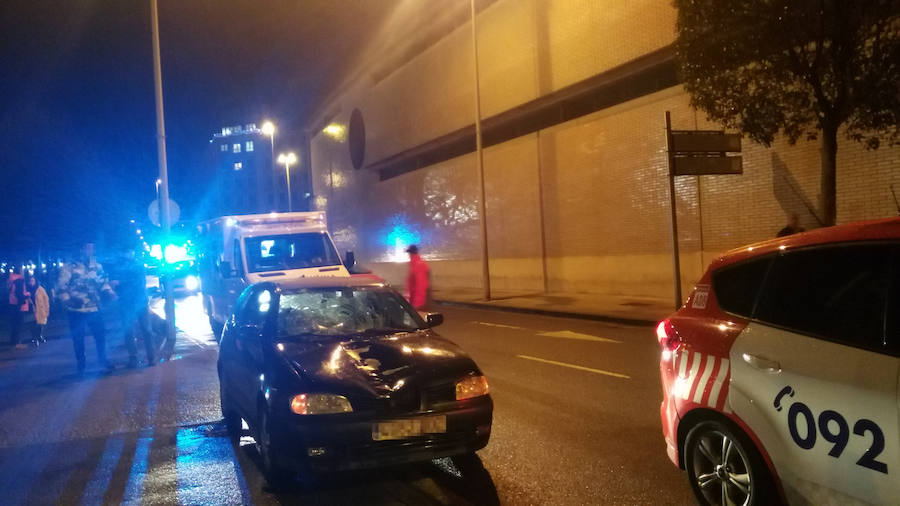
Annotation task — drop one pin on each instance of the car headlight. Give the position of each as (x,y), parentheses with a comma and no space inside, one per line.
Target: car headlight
(191,282)
(471,386)
(320,404)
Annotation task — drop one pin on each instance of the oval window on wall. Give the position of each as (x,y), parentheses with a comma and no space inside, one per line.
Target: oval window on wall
(357,139)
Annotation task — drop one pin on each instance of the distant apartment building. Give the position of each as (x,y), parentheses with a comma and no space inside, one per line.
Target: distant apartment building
(248,179)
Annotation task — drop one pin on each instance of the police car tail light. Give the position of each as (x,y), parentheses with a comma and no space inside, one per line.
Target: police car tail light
(666,335)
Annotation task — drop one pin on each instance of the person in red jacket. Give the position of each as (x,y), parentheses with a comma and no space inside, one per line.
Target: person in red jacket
(417,279)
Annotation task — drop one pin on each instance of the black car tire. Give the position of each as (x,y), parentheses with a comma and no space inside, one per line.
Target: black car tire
(232,420)
(216,328)
(277,474)
(468,464)
(725,460)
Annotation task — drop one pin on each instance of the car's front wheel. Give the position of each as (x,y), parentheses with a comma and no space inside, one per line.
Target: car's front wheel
(277,473)
(725,468)
(232,420)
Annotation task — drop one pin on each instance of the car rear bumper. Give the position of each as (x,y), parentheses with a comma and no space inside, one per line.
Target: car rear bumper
(344,445)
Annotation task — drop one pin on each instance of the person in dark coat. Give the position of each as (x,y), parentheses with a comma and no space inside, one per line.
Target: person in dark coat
(793,226)
(134,311)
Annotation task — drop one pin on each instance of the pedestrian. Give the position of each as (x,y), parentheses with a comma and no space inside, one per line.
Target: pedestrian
(15,317)
(134,310)
(81,285)
(417,281)
(792,227)
(41,304)
(20,299)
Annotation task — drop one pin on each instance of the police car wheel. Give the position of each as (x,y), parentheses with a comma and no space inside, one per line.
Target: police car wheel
(724,467)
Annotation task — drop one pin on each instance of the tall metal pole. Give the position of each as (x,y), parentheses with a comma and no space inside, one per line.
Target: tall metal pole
(676,261)
(287,174)
(165,217)
(482,205)
(272,154)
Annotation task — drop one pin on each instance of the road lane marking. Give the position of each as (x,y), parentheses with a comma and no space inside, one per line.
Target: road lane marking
(573,366)
(568,334)
(561,334)
(500,325)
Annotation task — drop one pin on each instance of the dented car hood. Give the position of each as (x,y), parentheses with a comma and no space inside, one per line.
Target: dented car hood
(376,365)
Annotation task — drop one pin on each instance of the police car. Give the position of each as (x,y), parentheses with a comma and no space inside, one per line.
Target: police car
(780,372)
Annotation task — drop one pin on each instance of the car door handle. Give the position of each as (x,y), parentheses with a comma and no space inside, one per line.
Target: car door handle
(761,363)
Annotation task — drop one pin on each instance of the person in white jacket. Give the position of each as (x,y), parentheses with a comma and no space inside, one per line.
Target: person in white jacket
(41,304)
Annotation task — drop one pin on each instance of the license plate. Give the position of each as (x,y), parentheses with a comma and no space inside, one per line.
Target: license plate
(410,427)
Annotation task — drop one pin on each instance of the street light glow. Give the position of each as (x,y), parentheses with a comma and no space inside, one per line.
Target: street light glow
(335,131)
(268,128)
(287,159)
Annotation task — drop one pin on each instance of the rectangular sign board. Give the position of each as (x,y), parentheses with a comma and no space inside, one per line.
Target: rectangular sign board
(707,165)
(705,141)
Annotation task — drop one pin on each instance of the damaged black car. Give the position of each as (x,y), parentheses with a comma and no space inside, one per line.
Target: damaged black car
(340,373)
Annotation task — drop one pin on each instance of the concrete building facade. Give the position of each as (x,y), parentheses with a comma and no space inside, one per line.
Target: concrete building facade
(573,95)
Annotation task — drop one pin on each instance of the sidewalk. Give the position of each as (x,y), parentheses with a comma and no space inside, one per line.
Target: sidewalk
(591,306)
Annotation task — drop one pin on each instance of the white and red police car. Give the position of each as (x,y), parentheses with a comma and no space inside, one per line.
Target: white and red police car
(781,372)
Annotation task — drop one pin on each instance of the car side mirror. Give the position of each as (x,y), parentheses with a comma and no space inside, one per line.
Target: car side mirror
(349,259)
(434,319)
(225,270)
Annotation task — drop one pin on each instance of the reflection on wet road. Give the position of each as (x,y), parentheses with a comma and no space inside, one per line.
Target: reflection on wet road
(154,435)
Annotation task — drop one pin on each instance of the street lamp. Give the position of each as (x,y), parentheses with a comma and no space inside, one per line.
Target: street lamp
(158,202)
(287,160)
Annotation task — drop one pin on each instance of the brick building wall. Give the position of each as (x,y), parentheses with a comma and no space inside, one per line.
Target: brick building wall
(579,206)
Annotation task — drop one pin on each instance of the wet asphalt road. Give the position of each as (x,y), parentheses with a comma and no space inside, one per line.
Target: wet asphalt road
(561,435)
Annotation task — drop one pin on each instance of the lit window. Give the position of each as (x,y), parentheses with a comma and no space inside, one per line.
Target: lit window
(248,146)
(224,147)
(238,165)
(236,148)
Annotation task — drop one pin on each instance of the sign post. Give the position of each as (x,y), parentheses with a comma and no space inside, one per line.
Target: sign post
(676,260)
(696,153)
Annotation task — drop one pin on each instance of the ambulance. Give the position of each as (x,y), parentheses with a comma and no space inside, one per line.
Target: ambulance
(237,251)
(780,372)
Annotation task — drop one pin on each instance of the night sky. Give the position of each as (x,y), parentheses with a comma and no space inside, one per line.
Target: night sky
(77,113)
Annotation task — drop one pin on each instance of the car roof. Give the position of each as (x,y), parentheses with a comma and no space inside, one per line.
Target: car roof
(873,230)
(328,282)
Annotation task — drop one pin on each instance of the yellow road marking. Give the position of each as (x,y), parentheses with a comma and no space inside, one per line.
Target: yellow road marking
(573,366)
(500,325)
(568,334)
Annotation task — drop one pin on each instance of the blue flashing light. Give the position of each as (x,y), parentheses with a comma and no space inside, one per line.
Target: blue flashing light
(401,233)
(175,253)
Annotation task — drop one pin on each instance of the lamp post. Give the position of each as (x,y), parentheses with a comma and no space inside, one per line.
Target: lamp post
(163,181)
(268,128)
(158,202)
(287,160)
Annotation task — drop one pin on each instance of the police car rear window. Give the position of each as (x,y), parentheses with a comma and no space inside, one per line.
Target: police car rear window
(737,286)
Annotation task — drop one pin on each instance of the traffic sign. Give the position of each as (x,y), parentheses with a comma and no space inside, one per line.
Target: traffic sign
(706,165)
(153,212)
(705,141)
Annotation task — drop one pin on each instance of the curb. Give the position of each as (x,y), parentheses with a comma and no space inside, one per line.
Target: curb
(546,312)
